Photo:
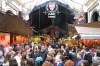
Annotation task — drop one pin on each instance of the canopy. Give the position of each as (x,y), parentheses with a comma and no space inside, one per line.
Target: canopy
(84,36)
(87,30)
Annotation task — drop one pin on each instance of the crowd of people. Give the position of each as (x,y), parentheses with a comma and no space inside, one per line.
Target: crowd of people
(52,54)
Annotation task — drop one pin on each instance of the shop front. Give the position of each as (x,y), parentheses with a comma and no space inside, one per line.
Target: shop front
(90,36)
(4,38)
(18,39)
(13,30)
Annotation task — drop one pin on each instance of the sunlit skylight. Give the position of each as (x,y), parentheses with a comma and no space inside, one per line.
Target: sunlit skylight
(30,4)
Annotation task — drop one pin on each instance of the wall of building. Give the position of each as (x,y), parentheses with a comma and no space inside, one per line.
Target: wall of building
(92,6)
(12,5)
(0,4)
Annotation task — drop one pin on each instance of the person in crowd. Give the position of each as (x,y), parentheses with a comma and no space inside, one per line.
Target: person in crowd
(95,64)
(18,57)
(6,49)
(83,50)
(24,60)
(69,63)
(80,45)
(32,44)
(67,55)
(43,52)
(60,44)
(66,45)
(39,46)
(13,62)
(61,61)
(50,48)
(10,49)
(27,49)
(96,58)
(38,60)
(16,47)
(59,53)
(88,56)
(12,54)
(51,59)
(93,52)
(6,60)
(30,62)
(1,57)
(74,55)
(53,45)
(22,45)
(33,53)
(62,48)
(85,63)
(57,45)
(47,63)
(53,52)
(2,47)
(80,58)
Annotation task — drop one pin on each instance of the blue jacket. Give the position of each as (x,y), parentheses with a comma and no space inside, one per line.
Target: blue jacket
(88,57)
(61,64)
(1,60)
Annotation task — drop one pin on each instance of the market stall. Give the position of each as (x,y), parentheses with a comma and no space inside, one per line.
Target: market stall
(89,36)
(18,39)
(4,38)
(16,27)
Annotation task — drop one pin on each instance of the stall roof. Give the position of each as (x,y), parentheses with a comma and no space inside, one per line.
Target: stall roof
(86,26)
(87,30)
(92,24)
(14,24)
(46,30)
(71,28)
(85,36)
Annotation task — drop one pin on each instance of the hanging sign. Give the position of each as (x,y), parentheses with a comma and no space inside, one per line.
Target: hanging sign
(52,8)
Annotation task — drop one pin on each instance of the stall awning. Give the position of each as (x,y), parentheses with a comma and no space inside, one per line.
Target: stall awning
(84,36)
(87,36)
(87,30)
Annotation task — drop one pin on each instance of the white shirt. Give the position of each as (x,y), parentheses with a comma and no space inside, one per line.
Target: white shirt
(5,64)
(57,59)
(18,59)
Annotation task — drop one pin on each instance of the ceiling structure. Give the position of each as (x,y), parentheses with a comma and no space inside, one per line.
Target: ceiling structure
(28,5)
(39,19)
